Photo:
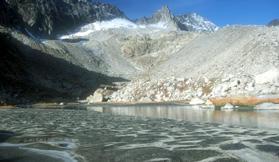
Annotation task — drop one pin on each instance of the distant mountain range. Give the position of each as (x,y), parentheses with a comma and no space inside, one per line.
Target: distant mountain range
(49,18)
(189,22)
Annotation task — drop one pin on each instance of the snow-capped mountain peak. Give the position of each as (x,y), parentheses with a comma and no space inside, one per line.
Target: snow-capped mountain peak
(189,22)
(196,23)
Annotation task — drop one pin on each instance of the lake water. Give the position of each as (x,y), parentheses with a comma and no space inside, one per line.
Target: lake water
(138,133)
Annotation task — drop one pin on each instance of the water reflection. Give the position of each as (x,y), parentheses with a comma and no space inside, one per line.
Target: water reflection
(259,119)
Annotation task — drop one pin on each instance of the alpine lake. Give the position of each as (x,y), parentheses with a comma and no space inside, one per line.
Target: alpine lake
(138,133)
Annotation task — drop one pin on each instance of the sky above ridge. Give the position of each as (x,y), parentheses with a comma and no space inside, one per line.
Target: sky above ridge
(220,12)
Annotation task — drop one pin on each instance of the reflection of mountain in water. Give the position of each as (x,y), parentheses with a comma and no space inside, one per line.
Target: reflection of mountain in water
(245,118)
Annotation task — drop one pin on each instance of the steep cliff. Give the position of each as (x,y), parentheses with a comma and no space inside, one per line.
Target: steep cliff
(47,18)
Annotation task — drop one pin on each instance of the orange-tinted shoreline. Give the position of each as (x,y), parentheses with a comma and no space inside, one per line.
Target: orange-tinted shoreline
(248,101)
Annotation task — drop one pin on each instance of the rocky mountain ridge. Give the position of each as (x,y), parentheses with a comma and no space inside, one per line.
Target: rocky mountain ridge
(188,22)
(195,23)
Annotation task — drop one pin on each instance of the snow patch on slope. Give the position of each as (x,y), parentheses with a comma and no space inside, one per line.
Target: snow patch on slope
(112,24)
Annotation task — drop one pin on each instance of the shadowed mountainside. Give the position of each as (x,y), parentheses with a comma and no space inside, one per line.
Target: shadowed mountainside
(29,75)
(47,18)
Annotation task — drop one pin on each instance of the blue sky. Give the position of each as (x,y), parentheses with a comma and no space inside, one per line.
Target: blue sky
(220,12)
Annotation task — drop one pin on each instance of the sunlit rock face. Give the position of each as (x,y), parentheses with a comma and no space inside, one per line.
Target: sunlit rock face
(163,17)
(189,22)
(47,18)
(196,23)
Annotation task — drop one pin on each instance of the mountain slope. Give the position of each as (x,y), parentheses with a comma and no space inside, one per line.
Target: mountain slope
(34,72)
(233,61)
(231,50)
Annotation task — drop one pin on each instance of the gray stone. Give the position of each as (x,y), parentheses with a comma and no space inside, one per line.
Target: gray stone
(228,106)
(196,101)
(267,106)
(96,97)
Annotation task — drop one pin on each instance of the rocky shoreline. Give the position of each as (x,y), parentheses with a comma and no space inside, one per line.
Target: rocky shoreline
(213,103)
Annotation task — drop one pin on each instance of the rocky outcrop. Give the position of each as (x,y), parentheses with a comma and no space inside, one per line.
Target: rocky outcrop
(47,18)
(168,89)
(195,91)
(195,23)
(274,22)
(147,50)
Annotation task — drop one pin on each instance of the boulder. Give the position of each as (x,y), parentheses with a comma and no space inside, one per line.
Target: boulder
(96,97)
(228,106)
(196,101)
(267,106)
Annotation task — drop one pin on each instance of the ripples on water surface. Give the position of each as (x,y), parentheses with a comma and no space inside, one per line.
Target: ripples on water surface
(138,133)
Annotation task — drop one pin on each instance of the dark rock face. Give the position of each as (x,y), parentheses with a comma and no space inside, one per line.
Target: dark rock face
(274,23)
(47,18)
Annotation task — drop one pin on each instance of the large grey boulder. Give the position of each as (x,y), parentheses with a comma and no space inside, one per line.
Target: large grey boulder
(96,97)
(267,106)
(227,106)
(196,101)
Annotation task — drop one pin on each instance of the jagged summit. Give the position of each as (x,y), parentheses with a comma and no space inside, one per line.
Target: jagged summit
(274,22)
(189,22)
(196,23)
(163,16)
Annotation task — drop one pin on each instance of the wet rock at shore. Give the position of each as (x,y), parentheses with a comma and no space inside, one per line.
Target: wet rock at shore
(228,106)
(196,101)
(267,106)
(96,97)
